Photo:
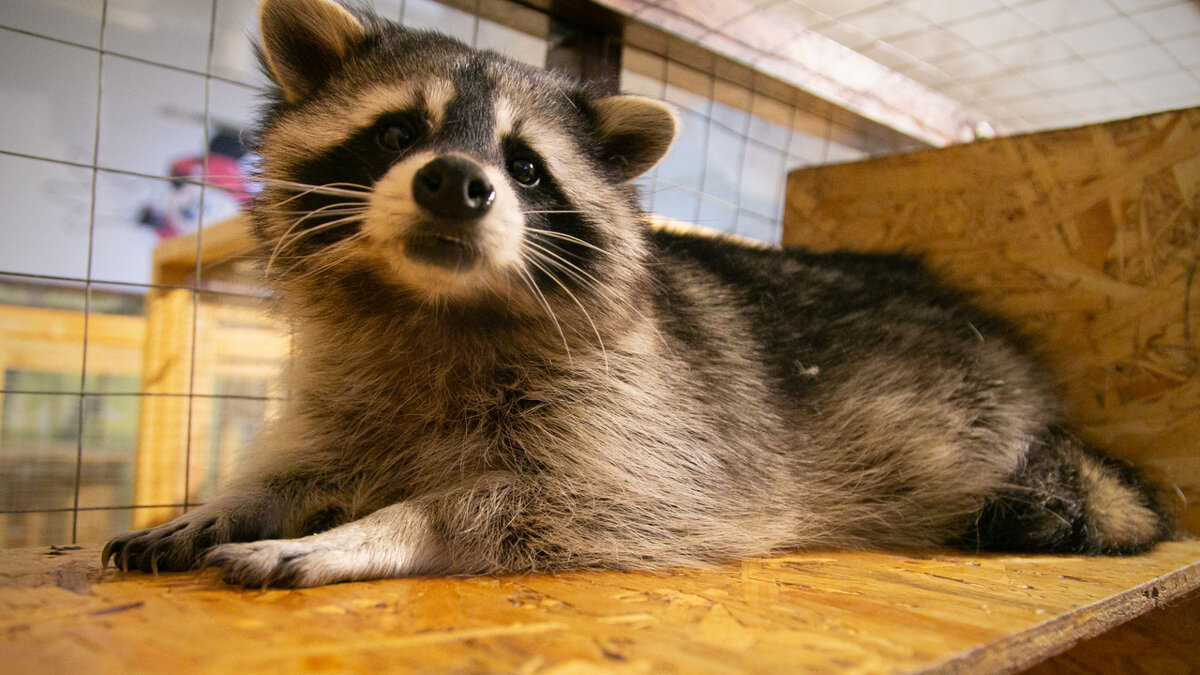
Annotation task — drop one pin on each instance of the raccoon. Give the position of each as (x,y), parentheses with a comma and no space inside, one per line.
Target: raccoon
(500,367)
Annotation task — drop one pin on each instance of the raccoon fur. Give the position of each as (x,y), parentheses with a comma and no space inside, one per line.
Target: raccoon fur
(499,367)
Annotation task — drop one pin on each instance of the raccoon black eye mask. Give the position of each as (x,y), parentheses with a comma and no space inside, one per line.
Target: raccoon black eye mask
(500,368)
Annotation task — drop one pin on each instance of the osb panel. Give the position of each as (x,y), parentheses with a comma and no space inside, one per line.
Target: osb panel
(814,613)
(1087,238)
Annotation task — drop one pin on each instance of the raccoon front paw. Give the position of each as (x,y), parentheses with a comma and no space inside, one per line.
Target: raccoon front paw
(286,563)
(175,546)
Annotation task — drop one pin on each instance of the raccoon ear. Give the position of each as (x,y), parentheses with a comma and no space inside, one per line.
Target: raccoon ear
(304,42)
(635,132)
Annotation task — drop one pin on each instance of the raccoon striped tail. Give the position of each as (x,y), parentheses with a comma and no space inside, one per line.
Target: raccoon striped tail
(1070,498)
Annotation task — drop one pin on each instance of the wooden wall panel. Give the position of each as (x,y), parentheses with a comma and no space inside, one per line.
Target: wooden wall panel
(1087,238)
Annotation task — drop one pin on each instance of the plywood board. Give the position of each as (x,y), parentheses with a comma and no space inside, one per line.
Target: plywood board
(816,612)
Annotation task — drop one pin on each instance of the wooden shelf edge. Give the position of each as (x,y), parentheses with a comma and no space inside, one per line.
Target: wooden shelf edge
(1059,634)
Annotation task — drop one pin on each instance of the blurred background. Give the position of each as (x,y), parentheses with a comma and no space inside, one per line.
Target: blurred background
(136,362)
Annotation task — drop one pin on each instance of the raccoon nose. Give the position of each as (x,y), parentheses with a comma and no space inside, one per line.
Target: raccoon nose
(453,187)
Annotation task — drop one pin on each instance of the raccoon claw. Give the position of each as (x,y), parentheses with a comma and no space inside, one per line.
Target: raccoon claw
(169,547)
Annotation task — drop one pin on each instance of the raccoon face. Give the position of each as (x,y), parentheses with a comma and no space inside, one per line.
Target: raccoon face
(447,173)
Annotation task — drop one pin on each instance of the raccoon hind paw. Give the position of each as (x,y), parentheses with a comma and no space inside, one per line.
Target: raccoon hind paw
(1070,498)
(1123,514)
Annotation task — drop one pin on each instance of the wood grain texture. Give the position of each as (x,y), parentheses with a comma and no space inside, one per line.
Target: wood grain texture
(816,612)
(1088,239)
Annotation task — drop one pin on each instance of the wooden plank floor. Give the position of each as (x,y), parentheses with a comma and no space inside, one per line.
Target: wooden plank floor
(812,612)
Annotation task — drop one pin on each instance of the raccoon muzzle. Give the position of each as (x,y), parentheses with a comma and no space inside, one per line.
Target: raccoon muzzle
(454,193)
(453,187)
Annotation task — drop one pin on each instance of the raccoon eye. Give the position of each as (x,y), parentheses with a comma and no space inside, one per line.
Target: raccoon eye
(524,171)
(395,137)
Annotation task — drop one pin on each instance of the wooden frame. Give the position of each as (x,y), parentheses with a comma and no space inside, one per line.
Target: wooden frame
(191,341)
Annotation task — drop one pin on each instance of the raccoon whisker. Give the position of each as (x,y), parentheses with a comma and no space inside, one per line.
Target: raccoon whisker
(333,261)
(343,209)
(332,210)
(323,191)
(345,220)
(353,188)
(275,251)
(583,283)
(537,292)
(334,256)
(357,208)
(593,284)
(564,95)
(340,208)
(541,298)
(533,260)
(566,237)
(551,211)
(287,239)
(558,253)
(318,189)
(576,272)
(345,185)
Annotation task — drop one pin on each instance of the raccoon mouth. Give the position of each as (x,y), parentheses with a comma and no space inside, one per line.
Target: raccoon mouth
(442,250)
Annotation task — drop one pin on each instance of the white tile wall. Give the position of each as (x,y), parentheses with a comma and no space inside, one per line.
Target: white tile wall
(1031,53)
(754,226)
(723,160)
(764,170)
(45,218)
(511,43)
(683,86)
(676,203)
(717,215)
(431,15)
(167,32)
(1078,73)
(150,116)
(232,105)
(49,98)
(807,149)
(683,165)
(75,21)
(233,53)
